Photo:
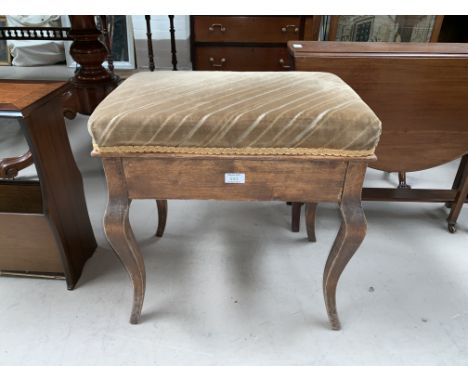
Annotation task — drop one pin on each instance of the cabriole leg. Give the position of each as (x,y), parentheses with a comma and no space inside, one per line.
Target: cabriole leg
(120,235)
(351,234)
(457,205)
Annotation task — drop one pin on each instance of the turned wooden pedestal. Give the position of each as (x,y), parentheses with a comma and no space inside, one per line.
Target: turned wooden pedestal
(287,178)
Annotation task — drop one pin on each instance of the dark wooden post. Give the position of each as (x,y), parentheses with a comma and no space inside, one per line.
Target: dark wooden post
(150,43)
(92,82)
(173,43)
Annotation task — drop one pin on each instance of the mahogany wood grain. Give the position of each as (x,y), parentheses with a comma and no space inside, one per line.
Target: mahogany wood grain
(418,90)
(254,43)
(258,29)
(62,185)
(9,167)
(92,82)
(461,169)
(389,49)
(24,234)
(460,198)
(333,28)
(22,96)
(38,107)
(408,195)
(243,58)
(423,105)
(312,28)
(21,197)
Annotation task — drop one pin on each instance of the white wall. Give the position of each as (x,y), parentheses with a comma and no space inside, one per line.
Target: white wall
(161,41)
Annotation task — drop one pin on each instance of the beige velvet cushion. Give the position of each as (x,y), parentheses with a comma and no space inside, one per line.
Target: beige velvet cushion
(289,113)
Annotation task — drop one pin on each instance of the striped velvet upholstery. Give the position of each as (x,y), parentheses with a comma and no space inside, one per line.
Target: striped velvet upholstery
(288,113)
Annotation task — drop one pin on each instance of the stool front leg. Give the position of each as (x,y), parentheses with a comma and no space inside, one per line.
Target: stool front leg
(120,235)
(350,236)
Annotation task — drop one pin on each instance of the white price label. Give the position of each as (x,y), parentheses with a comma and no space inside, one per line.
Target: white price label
(234,177)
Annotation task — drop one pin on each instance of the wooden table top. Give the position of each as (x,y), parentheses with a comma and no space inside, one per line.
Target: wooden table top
(21,96)
(379,48)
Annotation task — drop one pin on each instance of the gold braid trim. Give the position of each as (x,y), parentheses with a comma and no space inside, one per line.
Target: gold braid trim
(232,151)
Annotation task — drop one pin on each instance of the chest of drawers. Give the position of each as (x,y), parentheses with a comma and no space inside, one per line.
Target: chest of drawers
(247,43)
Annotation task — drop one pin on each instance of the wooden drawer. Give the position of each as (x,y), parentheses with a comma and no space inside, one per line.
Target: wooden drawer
(204,178)
(241,58)
(246,29)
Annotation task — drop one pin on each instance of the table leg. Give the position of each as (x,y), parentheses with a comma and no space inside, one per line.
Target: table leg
(402,180)
(120,235)
(459,199)
(351,234)
(456,183)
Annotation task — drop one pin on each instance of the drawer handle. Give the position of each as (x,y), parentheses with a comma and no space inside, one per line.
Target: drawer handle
(281,62)
(220,65)
(221,27)
(288,27)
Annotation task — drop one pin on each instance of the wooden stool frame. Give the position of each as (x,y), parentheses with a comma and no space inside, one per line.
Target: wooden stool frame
(286,178)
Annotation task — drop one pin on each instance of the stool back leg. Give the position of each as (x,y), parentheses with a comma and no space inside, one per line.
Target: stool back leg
(351,234)
(296,216)
(162,217)
(120,235)
(310,211)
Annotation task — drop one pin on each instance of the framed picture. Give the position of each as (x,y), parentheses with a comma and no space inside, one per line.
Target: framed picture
(5,58)
(120,29)
(415,28)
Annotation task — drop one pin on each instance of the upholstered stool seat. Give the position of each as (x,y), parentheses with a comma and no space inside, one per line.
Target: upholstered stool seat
(291,136)
(293,113)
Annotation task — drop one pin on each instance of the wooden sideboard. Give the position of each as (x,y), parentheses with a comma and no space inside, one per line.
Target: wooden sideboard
(247,43)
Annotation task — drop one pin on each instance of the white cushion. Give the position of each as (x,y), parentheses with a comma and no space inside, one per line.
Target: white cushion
(34,53)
